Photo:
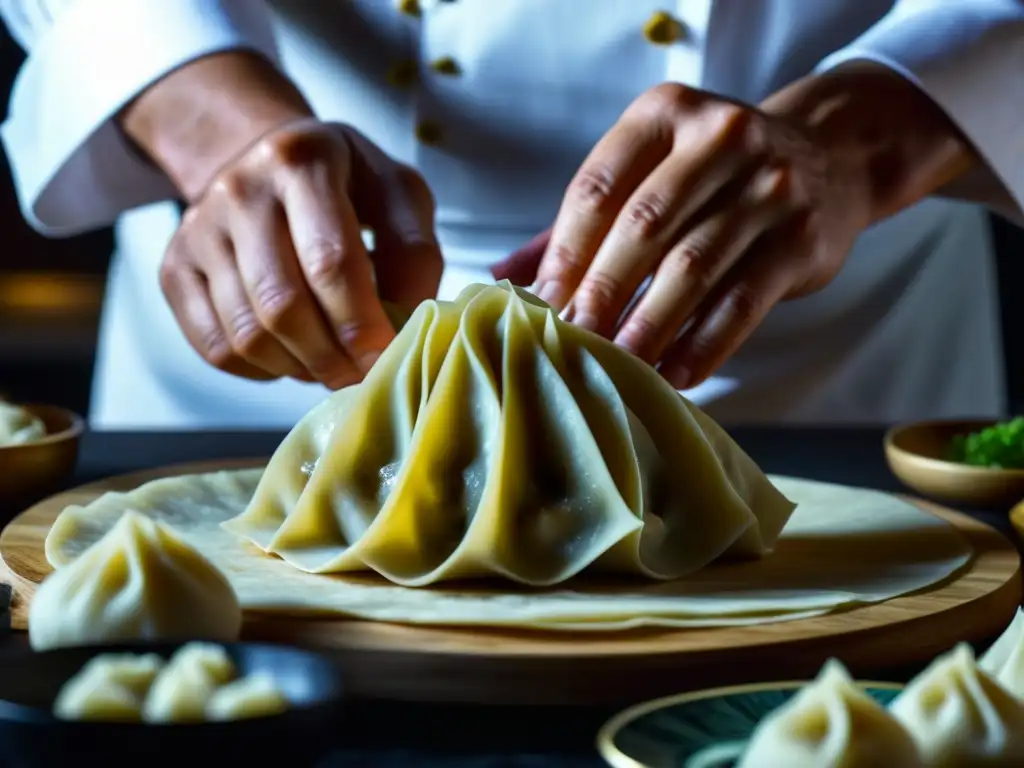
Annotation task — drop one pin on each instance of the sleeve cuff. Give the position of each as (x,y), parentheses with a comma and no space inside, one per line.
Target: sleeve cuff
(968,58)
(72,167)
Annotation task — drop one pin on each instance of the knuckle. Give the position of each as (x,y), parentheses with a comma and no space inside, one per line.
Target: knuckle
(291,149)
(592,189)
(597,292)
(641,330)
(691,265)
(564,260)
(229,187)
(274,304)
(775,184)
(647,216)
(674,98)
(247,335)
(737,126)
(743,307)
(324,260)
(215,348)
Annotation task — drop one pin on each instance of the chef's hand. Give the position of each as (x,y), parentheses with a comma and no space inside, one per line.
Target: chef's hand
(731,209)
(267,274)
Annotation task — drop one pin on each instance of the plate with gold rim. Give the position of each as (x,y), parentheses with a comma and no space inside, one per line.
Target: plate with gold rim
(702,729)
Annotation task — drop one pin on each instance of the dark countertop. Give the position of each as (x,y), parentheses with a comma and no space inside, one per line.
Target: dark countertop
(383,735)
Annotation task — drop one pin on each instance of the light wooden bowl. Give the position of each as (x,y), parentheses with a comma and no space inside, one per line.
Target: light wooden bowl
(917,455)
(29,471)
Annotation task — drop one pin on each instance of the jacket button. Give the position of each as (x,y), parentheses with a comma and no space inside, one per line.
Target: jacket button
(403,74)
(409,7)
(446,65)
(662,29)
(428,132)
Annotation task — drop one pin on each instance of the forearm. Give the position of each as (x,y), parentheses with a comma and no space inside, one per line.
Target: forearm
(194,120)
(896,145)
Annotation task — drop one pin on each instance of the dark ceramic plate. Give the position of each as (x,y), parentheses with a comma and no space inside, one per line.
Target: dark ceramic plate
(705,729)
(31,735)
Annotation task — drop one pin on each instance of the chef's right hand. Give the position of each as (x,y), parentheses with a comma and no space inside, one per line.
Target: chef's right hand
(268,275)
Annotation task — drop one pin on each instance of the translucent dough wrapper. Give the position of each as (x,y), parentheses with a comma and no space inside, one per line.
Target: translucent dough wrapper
(493,439)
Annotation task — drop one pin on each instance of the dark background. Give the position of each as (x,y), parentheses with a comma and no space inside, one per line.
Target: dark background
(51,290)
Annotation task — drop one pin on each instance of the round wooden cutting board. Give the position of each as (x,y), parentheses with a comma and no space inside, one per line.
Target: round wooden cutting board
(505,667)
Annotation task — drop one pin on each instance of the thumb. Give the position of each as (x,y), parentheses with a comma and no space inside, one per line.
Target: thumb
(520,267)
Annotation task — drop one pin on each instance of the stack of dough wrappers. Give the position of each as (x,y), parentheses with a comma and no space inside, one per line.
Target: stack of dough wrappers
(492,439)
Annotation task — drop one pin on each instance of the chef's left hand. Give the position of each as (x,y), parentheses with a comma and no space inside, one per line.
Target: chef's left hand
(730,208)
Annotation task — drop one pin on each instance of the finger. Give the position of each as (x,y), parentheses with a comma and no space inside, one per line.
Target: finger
(246,334)
(696,264)
(520,267)
(279,294)
(186,292)
(328,242)
(609,175)
(710,152)
(398,204)
(757,285)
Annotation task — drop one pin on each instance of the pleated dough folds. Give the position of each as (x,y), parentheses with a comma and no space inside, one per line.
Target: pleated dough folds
(493,439)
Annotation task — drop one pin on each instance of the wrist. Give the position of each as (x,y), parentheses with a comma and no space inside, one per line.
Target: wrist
(199,117)
(881,132)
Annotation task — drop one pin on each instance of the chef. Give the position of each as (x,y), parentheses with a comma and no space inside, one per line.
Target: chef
(777,202)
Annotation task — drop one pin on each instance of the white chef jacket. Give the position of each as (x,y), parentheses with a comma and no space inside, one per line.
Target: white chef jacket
(908,329)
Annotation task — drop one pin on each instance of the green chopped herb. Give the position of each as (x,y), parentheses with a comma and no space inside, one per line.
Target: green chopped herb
(1000,446)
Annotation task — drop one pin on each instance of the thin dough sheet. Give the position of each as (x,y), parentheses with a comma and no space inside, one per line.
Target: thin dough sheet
(841,548)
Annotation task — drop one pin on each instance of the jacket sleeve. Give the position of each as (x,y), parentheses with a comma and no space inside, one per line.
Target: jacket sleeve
(73,169)
(968,57)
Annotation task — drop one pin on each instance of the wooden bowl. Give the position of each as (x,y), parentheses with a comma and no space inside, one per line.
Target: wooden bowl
(29,471)
(917,455)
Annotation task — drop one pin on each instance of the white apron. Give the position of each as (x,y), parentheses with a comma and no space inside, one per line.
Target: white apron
(908,330)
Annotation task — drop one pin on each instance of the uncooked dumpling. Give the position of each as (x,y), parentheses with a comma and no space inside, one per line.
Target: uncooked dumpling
(960,717)
(109,687)
(183,688)
(491,438)
(1005,659)
(256,695)
(18,425)
(831,723)
(141,581)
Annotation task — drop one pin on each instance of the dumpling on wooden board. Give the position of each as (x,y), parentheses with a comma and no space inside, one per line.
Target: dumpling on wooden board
(492,438)
(140,581)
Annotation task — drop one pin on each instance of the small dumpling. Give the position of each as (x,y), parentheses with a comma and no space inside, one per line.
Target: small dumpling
(831,723)
(1005,659)
(141,581)
(493,439)
(182,690)
(959,716)
(19,425)
(256,695)
(109,687)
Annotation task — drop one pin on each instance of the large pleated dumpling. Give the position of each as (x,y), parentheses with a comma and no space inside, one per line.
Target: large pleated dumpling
(491,438)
